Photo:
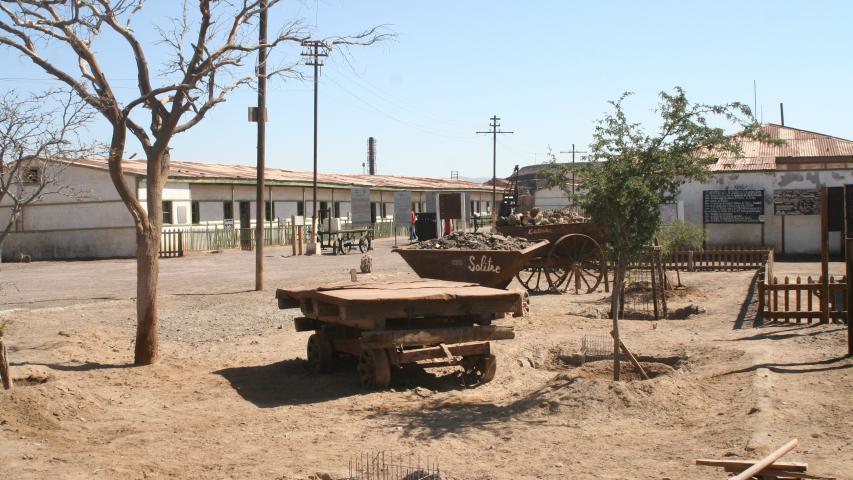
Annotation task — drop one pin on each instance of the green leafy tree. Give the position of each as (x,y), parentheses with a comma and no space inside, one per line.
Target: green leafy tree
(634,172)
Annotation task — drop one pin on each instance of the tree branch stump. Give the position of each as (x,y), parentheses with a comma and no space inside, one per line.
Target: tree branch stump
(5,375)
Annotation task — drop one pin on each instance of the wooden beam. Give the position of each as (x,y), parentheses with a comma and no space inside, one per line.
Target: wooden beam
(739,465)
(766,461)
(435,336)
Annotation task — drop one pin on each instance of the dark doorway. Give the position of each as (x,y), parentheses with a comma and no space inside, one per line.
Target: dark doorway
(245,226)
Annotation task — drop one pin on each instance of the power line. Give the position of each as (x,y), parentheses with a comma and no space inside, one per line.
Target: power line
(396,101)
(394,117)
(493,129)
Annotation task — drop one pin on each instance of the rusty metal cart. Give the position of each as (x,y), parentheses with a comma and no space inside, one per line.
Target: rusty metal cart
(344,241)
(490,268)
(423,323)
(574,260)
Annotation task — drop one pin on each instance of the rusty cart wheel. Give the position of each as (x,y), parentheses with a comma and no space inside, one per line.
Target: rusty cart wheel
(575,261)
(374,369)
(478,370)
(364,244)
(321,354)
(533,279)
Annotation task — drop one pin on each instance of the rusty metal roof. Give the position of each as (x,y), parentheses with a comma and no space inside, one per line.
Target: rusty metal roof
(218,173)
(799,145)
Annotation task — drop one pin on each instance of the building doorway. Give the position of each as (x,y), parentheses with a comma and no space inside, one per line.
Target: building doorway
(245,225)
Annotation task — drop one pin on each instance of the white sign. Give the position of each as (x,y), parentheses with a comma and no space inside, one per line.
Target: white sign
(403,208)
(361,207)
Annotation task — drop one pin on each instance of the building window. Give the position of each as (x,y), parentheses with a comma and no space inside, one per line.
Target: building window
(372,212)
(32,175)
(488,207)
(195,213)
(337,209)
(384,210)
(473,205)
(167,212)
(227,210)
(324,210)
(300,209)
(268,210)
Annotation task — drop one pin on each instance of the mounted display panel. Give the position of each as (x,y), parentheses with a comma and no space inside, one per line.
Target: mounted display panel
(796,202)
(733,206)
(361,207)
(450,205)
(402,208)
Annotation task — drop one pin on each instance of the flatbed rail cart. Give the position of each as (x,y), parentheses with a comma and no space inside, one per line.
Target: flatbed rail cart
(423,323)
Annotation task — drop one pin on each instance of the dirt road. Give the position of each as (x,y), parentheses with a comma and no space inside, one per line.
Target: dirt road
(231,397)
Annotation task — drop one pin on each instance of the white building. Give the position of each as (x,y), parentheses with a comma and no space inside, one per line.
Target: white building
(786,178)
(98,225)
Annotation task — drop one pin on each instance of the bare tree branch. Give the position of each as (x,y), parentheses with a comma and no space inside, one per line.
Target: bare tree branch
(39,139)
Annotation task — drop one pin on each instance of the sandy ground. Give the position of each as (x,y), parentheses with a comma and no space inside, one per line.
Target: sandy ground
(231,397)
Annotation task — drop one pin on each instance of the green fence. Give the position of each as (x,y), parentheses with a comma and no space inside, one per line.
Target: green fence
(219,237)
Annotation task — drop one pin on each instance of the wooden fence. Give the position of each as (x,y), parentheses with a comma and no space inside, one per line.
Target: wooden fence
(718,259)
(171,243)
(799,301)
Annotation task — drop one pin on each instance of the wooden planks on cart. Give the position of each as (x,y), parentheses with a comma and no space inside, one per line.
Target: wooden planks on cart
(368,305)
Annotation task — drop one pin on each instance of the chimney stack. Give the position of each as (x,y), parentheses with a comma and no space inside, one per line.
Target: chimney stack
(782,113)
(371,156)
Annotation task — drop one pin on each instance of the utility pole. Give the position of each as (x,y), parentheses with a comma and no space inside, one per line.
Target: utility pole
(494,130)
(262,127)
(315,51)
(573,152)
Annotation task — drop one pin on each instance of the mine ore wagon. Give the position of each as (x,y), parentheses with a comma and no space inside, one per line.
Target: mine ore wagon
(421,323)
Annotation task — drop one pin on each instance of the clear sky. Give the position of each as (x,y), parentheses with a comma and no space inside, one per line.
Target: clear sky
(546,68)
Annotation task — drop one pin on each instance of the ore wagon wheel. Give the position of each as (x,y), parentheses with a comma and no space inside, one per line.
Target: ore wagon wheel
(478,370)
(321,354)
(575,261)
(533,278)
(364,244)
(374,369)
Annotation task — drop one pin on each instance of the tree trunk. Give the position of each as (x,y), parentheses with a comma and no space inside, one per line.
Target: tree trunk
(147,272)
(615,303)
(147,261)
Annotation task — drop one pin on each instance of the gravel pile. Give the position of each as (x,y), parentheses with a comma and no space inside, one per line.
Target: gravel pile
(474,241)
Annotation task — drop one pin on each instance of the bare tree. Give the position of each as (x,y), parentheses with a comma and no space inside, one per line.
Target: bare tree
(210,42)
(39,139)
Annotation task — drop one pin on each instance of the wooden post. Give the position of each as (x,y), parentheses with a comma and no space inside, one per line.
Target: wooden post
(293,234)
(300,239)
(631,357)
(824,254)
(849,252)
(5,375)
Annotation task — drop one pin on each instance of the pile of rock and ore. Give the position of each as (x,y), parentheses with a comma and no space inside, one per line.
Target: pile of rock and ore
(542,217)
(474,241)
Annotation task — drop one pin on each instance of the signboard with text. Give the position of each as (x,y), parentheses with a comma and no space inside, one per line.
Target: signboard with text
(796,202)
(361,207)
(403,208)
(733,206)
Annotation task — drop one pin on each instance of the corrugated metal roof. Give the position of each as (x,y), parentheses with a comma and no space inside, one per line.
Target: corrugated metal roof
(219,173)
(757,155)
